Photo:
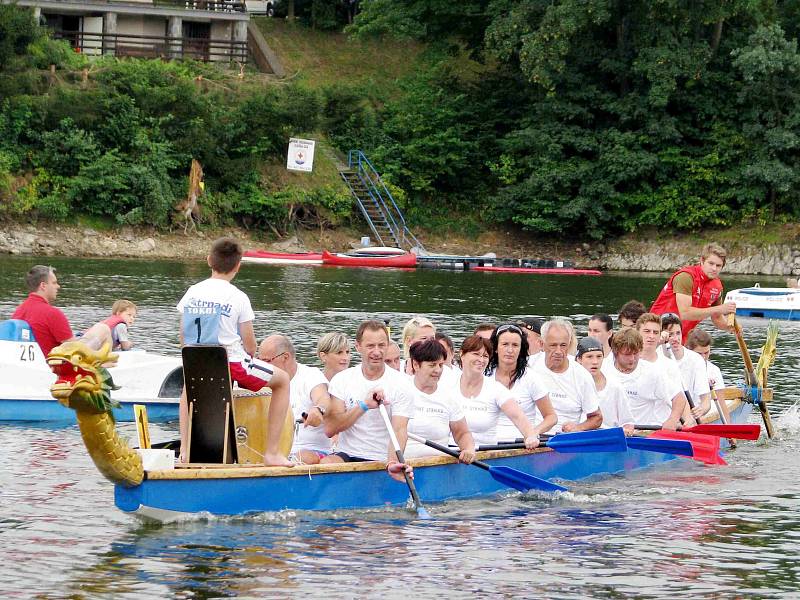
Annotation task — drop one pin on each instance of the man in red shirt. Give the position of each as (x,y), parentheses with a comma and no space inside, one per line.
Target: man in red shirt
(50,326)
(695,292)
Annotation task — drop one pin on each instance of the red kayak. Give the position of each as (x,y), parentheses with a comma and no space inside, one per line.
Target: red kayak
(407,260)
(282,258)
(538,271)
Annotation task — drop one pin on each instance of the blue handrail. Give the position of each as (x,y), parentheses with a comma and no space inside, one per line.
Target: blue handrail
(374,184)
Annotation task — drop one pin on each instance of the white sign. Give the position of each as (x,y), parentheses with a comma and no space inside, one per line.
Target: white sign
(301,155)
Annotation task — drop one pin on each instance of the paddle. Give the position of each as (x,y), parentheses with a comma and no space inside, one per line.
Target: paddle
(740,432)
(705,447)
(422,512)
(750,376)
(679,447)
(641,443)
(505,475)
(595,440)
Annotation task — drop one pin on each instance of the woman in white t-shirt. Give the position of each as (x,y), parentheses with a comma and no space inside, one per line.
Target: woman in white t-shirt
(509,367)
(483,399)
(437,413)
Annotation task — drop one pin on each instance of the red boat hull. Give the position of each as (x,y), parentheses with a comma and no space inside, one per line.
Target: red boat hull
(407,260)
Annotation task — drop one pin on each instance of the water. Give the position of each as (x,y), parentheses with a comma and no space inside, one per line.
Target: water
(679,529)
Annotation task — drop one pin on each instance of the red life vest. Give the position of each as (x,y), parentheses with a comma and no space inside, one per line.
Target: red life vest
(705,292)
(112,322)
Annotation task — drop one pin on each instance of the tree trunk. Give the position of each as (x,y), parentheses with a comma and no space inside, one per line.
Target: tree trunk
(715,39)
(290,10)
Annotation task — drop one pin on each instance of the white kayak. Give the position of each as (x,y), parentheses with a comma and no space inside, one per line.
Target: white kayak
(767,303)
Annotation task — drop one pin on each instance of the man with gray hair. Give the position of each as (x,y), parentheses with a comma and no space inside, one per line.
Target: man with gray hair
(49,325)
(570,387)
(308,398)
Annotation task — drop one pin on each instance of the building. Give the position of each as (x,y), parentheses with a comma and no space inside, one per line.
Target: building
(208,30)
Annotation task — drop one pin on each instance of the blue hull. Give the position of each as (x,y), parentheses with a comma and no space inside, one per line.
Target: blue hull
(765,313)
(51,410)
(362,489)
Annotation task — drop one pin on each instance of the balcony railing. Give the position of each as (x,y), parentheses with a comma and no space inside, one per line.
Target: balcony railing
(212,5)
(155,46)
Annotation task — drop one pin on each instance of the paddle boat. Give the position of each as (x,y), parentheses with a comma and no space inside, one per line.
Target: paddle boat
(281,258)
(767,303)
(405,260)
(150,485)
(143,378)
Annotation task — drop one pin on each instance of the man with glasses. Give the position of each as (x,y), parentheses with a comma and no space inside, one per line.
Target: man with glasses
(695,292)
(308,398)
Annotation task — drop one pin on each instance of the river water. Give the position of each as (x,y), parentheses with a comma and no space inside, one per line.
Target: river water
(679,529)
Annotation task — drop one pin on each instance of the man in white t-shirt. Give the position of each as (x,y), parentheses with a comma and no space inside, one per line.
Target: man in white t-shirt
(215,311)
(649,326)
(308,397)
(651,397)
(392,358)
(569,385)
(700,341)
(690,364)
(356,394)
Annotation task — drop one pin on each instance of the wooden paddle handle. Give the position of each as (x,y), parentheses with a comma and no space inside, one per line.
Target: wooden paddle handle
(748,362)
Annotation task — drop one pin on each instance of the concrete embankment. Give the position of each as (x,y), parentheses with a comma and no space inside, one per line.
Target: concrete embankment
(624,254)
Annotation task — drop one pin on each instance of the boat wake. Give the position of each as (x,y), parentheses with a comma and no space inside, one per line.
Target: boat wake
(789,420)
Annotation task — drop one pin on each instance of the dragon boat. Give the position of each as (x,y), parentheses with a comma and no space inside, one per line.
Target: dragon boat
(143,378)
(167,491)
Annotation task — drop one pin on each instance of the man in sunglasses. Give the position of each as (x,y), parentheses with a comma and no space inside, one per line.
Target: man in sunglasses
(695,292)
(308,398)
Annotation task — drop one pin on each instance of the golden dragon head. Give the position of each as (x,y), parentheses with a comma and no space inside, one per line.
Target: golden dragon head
(83,383)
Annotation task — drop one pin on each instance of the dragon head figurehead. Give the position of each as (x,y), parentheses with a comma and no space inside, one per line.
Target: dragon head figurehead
(83,383)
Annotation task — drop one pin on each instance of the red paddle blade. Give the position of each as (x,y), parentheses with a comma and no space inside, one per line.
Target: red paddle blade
(706,447)
(740,432)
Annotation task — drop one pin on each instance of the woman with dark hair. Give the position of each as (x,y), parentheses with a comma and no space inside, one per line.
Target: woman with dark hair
(509,367)
(436,412)
(447,343)
(483,399)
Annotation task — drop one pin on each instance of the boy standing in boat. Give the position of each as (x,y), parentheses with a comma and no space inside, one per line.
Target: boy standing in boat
(215,311)
(356,394)
(695,292)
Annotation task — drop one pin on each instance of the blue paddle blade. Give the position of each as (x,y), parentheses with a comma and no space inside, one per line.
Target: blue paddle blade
(596,440)
(522,481)
(423,513)
(679,447)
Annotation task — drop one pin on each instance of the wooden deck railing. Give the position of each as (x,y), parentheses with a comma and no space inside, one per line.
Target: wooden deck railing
(156,46)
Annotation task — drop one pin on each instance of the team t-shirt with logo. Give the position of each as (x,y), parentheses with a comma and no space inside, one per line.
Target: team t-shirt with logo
(367,437)
(694,376)
(482,411)
(433,414)
(212,311)
(527,391)
(572,392)
(306,379)
(614,405)
(648,390)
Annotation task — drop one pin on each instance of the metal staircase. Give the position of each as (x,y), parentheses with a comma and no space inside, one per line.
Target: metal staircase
(376,204)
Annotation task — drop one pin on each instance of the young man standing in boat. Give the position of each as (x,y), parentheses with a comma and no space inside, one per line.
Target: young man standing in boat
(49,325)
(651,397)
(215,311)
(695,292)
(570,387)
(356,394)
(308,397)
